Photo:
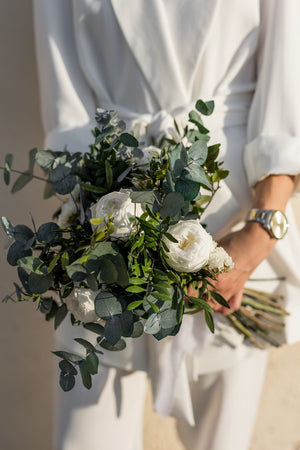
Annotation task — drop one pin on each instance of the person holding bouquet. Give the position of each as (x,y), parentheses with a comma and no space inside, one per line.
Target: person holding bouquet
(150,61)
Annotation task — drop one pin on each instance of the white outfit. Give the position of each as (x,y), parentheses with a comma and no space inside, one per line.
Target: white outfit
(152,60)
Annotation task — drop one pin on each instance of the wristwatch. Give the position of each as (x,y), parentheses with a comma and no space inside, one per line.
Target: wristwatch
(274,221)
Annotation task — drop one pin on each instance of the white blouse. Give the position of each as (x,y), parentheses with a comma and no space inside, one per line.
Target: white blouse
(151,60)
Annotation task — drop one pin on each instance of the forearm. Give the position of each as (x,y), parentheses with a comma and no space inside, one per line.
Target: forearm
(273,192)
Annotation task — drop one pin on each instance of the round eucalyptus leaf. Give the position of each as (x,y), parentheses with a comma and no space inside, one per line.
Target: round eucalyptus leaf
(120,345)
(198,151)
(85,374)
(168,318)
(63,180)
(172,204)
(138,329)
(46,305)
(24,235)
(107,305)
(108,271)
(7,226)
(17,251)
(189,189)
(45,158)
(77,272)
(152,325)
(66,366)
(164,332)
(129,140)
(38,284)
(127,323)
(113,330)
(66,381)
(92,362)
(49,233)
(23,277)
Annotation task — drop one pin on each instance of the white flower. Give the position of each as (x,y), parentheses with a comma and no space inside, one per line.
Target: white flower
(193,248)
(148,154)
(70,209)
(81,304)
(122,210)
(219,260)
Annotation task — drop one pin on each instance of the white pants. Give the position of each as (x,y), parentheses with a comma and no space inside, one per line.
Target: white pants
(110,415)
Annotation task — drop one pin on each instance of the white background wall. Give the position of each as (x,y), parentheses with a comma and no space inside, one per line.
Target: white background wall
(26,375)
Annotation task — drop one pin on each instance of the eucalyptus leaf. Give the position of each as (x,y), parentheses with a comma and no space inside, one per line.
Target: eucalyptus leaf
(60,315)
(46,305)
(72,357)
(77,272)
(188,189)
(66,381)
(63,180)
(127,323)
(120,345)
(7,226)
(113,330)
(66,366)
(168,318)
(94,328)
(38,284)
(152,325)
(92,362)
(21,181)
(172,204)
(24,235)
(107,305)
(138,329)
(45,158)
(32,155)
(198,151)
(205,108)
(17,251)
(49,233)
(31,263)
(129,140)
(142,197)
(7,166)
(85,374)
(164,332)
(23,277)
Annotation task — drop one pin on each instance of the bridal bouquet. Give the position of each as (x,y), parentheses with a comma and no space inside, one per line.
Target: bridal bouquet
(127,242)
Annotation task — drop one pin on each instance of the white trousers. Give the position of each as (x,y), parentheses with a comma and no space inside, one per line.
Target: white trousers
(110,415)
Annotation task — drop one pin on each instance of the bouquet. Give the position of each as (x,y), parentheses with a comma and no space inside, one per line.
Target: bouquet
(127,241)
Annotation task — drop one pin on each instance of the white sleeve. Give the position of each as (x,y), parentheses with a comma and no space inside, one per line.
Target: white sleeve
(67,101)
(274,119)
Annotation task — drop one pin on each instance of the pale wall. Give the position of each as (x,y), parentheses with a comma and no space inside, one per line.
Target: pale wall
(26,375)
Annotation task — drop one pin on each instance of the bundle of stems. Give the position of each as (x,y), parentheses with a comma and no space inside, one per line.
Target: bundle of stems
(260,318)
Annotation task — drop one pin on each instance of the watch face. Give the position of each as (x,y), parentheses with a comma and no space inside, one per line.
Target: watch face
(279,224)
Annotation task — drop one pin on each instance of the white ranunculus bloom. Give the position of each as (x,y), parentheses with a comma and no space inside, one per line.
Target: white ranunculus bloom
(219,260)
(193,248)
(122,210)
(81,304)
(70,209)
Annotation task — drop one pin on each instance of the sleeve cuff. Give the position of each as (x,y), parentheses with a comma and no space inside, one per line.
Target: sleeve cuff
(272,155)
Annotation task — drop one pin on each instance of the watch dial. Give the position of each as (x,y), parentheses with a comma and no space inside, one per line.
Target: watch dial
(279,225)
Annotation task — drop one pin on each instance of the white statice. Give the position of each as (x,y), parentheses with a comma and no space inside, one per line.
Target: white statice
(121,208)
(219,260)
(70,209)
(193,248)
(81,304)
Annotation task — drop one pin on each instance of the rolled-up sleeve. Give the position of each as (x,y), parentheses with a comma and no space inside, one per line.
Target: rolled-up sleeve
(67,102)
(274,119)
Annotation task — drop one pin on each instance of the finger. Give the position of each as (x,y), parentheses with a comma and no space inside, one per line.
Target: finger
(234,302)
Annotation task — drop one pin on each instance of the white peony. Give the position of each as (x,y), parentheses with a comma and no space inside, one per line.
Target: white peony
(193,248)
(219,260)
(122,210)
(81,304)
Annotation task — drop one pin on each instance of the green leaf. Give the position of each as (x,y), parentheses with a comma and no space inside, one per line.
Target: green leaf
(189,189)
(129,140)
(68,356)
(196,174)
(210,321)
(7,166)
(152,325)
(46,305)
(201,303)
(108,271)
(77,272)
(220,175)
(142,197)
(64,260)
(137,281)
(135,289)
(170,237)
(107,305)
(21,181)
(213,152)
(127,323)
(7,226)
(60,315)
(66,366)
(86,344)
(198,152)
(49,233)
(168,318)
(66,381)
(120,345)
(53,263)
(219,298)
(45,158)
(95,328)
(108,174)
(138,329)
(38,284)
(113,329)
(24,235)
(32,155)
(62,179)
(134,304)
(177,159)
(92,188)
(205,108)
(92,362)
(172,204)
(31,263)
(17,251)
(85,374)
(153,306)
